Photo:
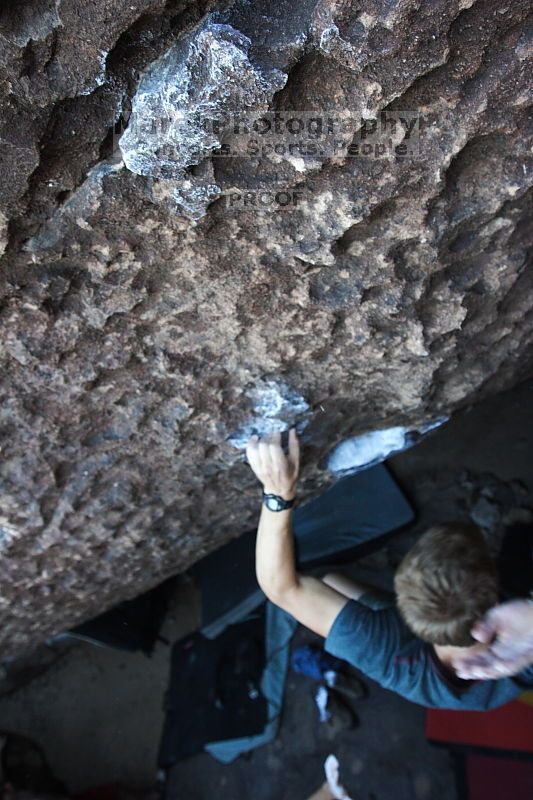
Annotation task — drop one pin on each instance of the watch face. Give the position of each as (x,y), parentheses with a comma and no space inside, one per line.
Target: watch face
(273,504)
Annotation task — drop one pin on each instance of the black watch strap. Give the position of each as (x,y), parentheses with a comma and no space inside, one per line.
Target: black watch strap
(276,503)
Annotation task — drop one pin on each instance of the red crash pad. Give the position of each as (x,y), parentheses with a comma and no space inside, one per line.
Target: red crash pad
(507,728)
(491,778)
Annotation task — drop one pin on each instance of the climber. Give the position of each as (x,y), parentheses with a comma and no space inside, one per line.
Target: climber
(445,585)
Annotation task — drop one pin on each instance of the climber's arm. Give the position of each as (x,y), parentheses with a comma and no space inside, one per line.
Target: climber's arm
(308,599)
(312,602)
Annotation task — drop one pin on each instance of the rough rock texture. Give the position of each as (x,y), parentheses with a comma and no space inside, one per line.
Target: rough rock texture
(148,324)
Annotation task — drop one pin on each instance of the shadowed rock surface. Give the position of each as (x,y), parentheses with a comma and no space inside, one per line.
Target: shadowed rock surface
(148,322)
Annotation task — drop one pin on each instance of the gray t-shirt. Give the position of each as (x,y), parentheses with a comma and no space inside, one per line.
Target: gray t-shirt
(379,644)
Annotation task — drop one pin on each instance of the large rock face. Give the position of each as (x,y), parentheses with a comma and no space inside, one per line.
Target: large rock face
(160,300)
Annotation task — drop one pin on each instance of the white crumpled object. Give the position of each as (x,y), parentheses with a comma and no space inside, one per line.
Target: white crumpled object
(331,768)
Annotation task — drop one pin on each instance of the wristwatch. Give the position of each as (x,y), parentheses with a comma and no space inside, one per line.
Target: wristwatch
(276,503)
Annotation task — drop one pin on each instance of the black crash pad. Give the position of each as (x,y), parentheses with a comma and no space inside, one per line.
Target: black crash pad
(215,690)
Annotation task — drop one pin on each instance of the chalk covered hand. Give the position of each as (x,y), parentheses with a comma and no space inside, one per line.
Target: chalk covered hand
(277,471)
(507,629)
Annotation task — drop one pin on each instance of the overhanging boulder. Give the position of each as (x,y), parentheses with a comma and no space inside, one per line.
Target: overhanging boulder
(160,300)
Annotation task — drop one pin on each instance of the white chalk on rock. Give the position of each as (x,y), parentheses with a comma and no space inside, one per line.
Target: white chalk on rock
(276,408)
(373,447)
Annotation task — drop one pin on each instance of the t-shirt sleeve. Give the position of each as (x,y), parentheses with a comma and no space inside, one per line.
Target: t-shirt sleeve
(367,639)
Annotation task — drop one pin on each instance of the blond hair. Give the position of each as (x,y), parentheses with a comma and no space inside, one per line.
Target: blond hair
(446,583)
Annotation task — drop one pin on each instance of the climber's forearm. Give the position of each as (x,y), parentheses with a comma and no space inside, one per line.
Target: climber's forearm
(308,599)
(275,559)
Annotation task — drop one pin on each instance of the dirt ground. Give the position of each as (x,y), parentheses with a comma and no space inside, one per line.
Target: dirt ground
(97,713)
